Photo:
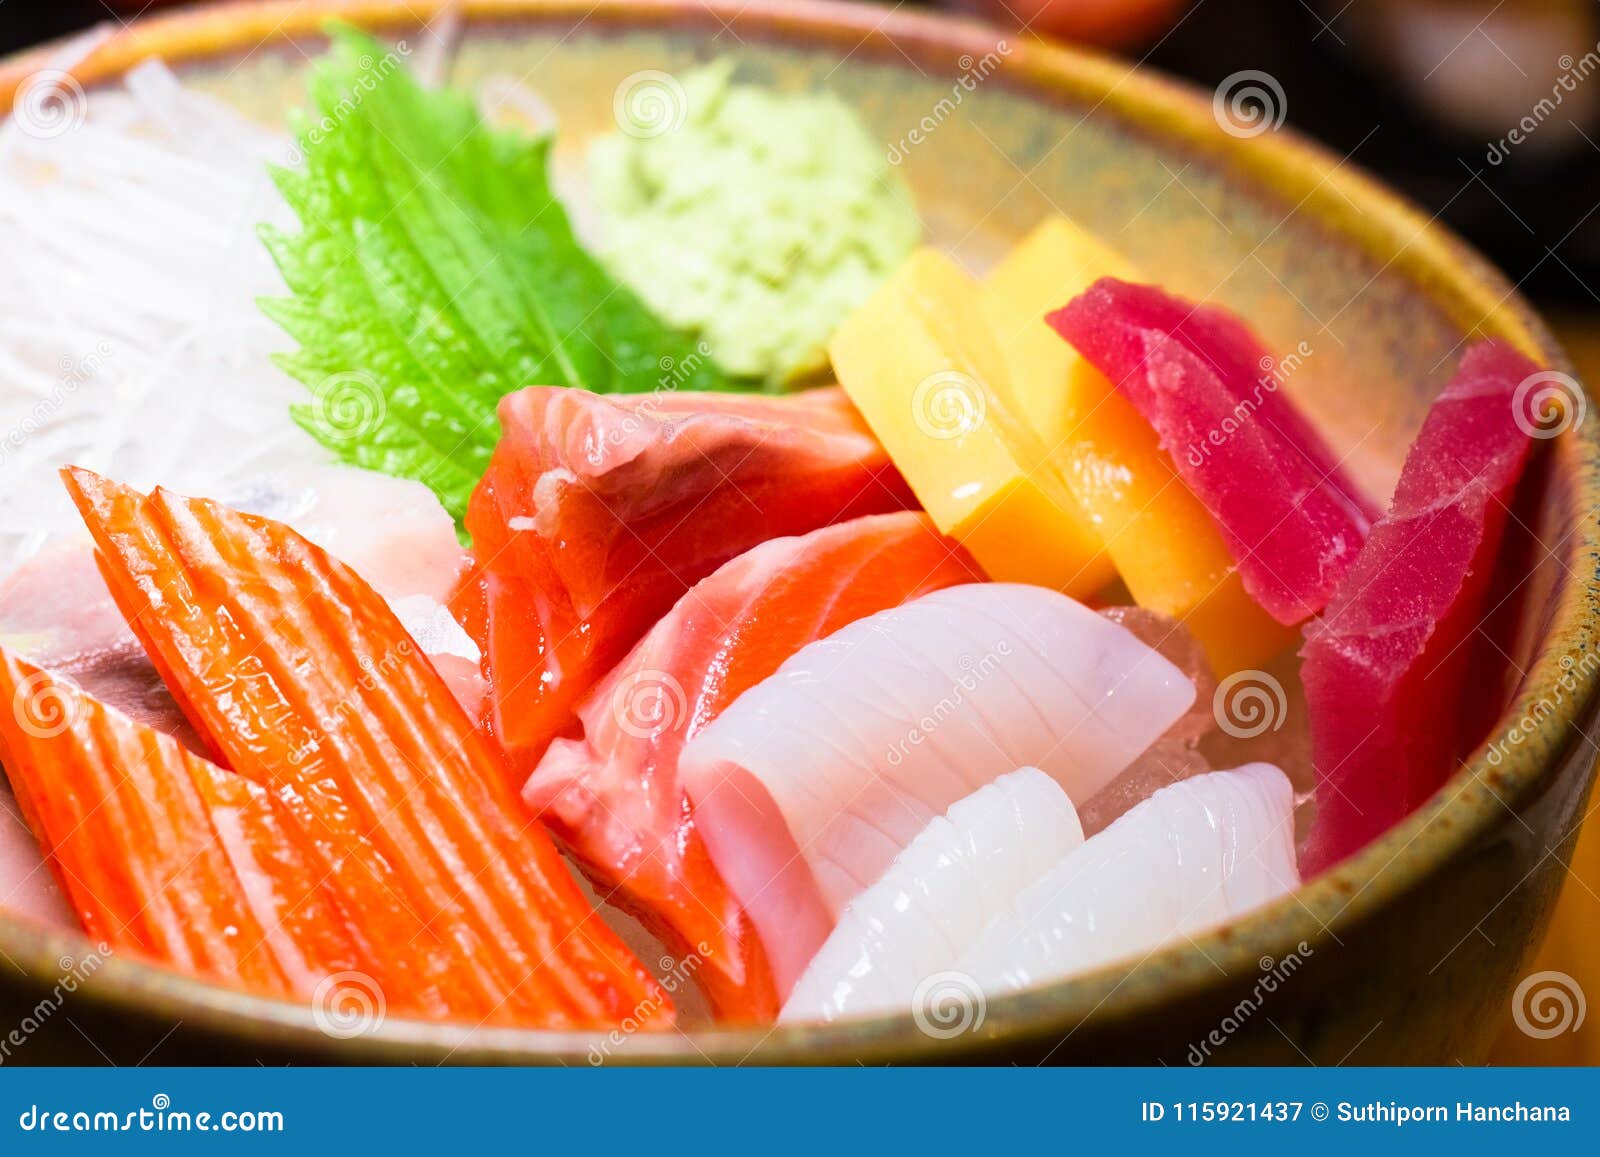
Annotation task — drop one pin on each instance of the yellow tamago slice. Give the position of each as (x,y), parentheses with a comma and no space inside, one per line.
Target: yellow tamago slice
(920,364)
(1162,541)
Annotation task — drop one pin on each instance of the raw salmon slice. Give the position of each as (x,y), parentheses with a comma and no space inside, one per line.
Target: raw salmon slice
(166,854)
(1289,513)
(597,514)
(304,678)
(613,797)
(1386,666)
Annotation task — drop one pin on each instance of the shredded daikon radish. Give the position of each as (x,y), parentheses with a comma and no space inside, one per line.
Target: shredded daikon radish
(130,340)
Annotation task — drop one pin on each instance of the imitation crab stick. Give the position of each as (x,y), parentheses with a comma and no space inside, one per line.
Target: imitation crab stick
(596,514)
(305,680)
(1162,541)
(613,796)
(163,852)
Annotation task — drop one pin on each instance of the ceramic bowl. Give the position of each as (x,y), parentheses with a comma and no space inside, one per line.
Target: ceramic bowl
(1408,951)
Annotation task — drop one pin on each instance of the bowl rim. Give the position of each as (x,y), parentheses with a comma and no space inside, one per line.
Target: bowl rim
(1455,278)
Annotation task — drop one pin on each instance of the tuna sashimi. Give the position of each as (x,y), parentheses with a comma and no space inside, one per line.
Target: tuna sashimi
(164,853)
(305,680)
(1385,667)
(1290,515)
(808,786)
(597,514)
(613,797)
(937,897)
(1192,856)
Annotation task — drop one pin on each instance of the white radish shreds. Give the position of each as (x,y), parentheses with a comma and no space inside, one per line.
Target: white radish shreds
(130,340)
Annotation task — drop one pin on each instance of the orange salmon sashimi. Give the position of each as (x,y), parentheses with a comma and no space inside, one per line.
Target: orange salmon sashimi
(596,514)
(162,852)
(612,797)
(305,680)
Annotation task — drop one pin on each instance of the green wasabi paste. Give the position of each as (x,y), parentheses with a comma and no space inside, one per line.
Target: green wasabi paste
(754,219)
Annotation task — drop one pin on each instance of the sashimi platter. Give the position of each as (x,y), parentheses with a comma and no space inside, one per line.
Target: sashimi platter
(684,598)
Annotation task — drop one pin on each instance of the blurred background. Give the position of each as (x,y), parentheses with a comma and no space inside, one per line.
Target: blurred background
(1478,110)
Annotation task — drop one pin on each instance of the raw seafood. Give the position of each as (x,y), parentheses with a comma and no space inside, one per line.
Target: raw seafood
(597,514)
(1192,856)
(305,681)
(941,891)
(165,853)
(613,797)
(1292,518)
(807,787)
(1386,665)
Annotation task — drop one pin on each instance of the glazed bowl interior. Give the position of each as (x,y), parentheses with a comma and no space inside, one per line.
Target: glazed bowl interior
(1377,302)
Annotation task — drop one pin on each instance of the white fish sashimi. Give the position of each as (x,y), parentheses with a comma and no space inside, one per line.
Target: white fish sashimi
(937,897)
(130,338)
(1192,856)
(809,785)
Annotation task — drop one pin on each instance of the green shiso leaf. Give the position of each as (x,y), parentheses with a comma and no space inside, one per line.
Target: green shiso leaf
(435,271)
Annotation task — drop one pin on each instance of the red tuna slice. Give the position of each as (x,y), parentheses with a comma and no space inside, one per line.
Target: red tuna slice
(613,797)
(1385,667)
(597,514)
(1290,515)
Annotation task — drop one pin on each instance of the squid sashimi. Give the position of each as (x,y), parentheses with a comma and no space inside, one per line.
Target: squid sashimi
(1192,856)
(1288,512)
(809,785)
(304,679)
(165,853)
(613,798)
(937,897)
(1386,667)
(597,514)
